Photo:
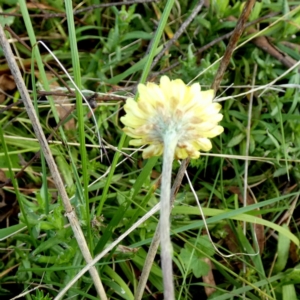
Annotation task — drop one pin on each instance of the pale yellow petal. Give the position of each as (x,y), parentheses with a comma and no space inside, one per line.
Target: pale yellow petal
(151,93)
(132,121)
(132,107)
(180,153)
(192,95)
(203,144)
(213,132)
(141,132)
(153,150)
(147,107)
(207,96)
(165,86)
(174,91)
(205,127)
(177,92)
(172,105)
(210,109)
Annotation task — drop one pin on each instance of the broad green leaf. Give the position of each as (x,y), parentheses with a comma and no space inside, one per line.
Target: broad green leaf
(236,140)
(194,263)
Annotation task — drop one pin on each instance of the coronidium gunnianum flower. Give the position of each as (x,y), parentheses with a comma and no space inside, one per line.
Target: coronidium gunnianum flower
(172,105)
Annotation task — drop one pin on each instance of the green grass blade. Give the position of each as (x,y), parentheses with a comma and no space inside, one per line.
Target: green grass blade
(80,115)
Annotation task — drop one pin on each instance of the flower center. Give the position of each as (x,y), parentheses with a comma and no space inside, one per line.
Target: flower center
(167,123)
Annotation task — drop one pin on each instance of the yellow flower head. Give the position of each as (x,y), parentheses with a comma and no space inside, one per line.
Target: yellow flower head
(172,106)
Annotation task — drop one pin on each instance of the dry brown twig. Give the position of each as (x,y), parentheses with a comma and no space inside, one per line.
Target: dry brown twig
(263,43)
(237,32)
(70,213)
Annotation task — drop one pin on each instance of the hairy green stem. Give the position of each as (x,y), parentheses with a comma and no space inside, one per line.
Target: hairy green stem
(156,238)
(170,142)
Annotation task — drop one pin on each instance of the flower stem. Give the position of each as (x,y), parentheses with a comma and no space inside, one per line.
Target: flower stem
(170,142)
(156,238)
